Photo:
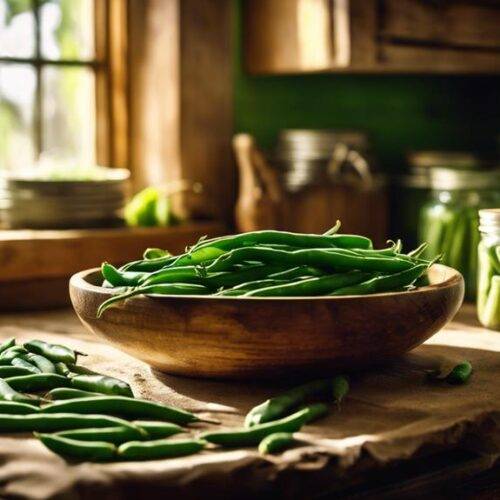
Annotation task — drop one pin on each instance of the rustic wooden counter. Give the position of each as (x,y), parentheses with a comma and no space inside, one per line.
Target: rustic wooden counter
(395,436)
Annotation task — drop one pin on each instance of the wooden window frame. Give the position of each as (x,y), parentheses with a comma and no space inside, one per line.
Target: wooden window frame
(109,65)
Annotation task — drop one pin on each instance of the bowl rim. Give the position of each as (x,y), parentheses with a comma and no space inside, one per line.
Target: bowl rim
(80,281)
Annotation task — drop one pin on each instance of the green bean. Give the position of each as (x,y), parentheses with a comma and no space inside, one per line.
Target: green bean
(155,253)
(233,278)
(161,289)
(13,371)
(297,272)
(122,406)
(281,405)
(54,352)
(158,430)
(161,448)
(460,373)
(254,435)
(102,384)
(62,369)
(94,451)
(185,274)
(10,353)
(15,408)
(340,388)
(7,393)
(54,422)
(41,362)
(276,442)
(384,283)
(115,435)
(7,344)
(80,370)
(312,286)
(333,229)
(26,365)
(62,393)
(37,382)
(331,259)
(243,288)
(117,277)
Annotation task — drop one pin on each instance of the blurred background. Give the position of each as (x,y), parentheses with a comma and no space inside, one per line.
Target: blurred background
(133,123)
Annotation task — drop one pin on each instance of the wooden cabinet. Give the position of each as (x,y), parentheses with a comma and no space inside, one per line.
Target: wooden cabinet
(425,36)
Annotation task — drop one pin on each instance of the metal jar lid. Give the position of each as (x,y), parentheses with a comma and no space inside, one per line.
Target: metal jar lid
(447,179)
(458,160)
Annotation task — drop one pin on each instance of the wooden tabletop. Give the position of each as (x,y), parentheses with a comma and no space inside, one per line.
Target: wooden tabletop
(457,472)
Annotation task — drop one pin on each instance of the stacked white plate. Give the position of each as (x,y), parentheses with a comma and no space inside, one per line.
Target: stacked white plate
(30,200)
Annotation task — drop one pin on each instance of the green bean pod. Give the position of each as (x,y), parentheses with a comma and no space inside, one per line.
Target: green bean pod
(460,374)
(41,362)
(62,369)
(25,365)
(10,353)
(385,283)
(53,352)
(161,289)
(13,371)
(215,281)
(115,435)
(54,422)
(312,286)
(254,435)
(297,272)
(276,442)
(122,406)
(7,393)
(158,430)
(37,382)
(117,277)
(7,344)
(93,451)
(161,448)
(63,393)
(102,384)
(15,408)
(155,253)
(243,288)
(281,405)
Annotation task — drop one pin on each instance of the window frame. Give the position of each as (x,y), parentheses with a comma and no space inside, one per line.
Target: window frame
(109,65)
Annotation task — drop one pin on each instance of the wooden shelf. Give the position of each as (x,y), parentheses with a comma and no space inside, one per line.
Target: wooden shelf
(36,264)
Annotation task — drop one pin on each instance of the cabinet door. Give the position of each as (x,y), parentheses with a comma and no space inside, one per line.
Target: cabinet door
(432,36)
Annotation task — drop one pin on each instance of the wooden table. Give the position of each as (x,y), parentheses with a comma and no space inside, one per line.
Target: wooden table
(455,473)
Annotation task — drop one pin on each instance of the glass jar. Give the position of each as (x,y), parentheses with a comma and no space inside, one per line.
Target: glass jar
(449,221)
(488,283)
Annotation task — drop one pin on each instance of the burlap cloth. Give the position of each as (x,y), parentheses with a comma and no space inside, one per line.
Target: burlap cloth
(390,414)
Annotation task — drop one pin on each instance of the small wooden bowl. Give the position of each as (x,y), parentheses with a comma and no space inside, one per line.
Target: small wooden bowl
(244,338)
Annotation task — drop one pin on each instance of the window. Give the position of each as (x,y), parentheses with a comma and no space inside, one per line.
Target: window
(62,80)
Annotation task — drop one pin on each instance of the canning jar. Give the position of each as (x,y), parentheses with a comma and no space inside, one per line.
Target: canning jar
(449,221)
(488,284)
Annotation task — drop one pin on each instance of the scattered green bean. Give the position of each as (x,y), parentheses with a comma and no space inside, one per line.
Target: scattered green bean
(161,448)
(281,405)
(13,371)
(122,406)
(26,365)
(254,435)
(94,451)
(37,382)
(7,393)
(54,422)
(10,353)
(15,408)
(62,393)
(41,362)
(115,435)
(54,352)
(7,344)
(276,442)
(460,374)
(62,369)
(158,430)
(102,384)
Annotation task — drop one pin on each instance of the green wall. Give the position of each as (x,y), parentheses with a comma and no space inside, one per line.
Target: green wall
(399,112)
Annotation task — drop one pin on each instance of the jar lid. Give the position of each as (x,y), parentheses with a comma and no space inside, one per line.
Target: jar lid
(449,179)
(489,220)
(445,159)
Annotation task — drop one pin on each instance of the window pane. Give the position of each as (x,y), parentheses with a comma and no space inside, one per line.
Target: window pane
(67,29)
(17,92)
(17,28)
(68,113)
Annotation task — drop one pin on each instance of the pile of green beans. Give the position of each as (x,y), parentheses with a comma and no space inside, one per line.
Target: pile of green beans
(269,264)
(488,293)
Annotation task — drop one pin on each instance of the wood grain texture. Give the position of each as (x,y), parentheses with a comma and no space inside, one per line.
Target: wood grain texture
(261,337)
(26,254)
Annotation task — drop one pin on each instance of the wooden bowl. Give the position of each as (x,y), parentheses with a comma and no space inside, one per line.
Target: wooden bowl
(244,338)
